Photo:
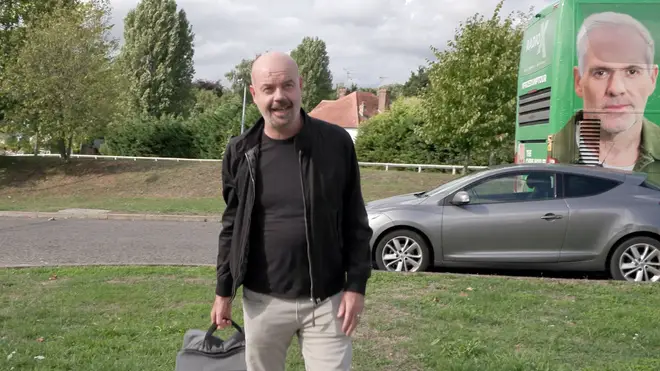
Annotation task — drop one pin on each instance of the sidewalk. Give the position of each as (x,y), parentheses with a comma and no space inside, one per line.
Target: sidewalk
(108,215)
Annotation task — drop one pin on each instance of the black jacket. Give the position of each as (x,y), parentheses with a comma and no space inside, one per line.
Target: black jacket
(338,231)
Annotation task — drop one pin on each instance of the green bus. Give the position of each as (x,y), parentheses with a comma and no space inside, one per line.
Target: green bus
(587,85)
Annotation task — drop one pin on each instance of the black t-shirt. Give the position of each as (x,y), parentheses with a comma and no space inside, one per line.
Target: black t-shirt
(277,258)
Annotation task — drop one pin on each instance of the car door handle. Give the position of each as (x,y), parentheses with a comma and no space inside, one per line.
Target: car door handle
(551,216)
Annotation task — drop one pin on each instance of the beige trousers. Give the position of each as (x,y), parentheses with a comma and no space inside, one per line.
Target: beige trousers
(271,323)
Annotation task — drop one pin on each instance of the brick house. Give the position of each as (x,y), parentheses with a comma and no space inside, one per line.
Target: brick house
(350,110)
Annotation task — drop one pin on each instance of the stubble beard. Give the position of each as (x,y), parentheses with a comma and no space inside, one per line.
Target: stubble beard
(614,124)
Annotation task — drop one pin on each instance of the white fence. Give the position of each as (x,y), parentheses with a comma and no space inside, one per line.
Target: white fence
(387,166)
(419,167)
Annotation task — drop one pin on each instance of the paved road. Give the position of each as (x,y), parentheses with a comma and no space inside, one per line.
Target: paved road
(85,241)
(30,242)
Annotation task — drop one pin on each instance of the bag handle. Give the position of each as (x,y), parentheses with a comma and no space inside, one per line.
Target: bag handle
(214,327)
(209,333)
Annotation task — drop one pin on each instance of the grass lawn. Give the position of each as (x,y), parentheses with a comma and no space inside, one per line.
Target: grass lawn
(46,184)
(134,318)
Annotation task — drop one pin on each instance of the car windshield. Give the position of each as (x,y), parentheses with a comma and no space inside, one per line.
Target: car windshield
(450,184)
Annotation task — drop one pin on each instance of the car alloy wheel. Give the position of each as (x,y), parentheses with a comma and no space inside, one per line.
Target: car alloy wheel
(402,251)
(640,262)
(636,259)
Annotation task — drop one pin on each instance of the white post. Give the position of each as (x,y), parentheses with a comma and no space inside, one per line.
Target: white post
(243,114)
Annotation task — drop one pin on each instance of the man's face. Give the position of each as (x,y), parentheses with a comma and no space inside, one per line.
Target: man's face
(617,80)
(276,91)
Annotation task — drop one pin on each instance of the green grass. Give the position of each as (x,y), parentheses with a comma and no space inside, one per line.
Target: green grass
(119,318)
(47,184)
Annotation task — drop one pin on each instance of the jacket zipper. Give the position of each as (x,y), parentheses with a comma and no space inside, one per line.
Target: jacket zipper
(309,253)
(245,230)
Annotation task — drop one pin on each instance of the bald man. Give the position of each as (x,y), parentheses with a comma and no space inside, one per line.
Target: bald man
(295,233)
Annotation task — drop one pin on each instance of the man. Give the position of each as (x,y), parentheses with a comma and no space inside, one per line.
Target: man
(615,77)
(295,232)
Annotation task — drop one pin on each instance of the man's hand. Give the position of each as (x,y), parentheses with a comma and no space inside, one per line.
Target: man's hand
(350,309)
(221,312)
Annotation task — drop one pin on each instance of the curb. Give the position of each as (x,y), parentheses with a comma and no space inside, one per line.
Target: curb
(111,216)
(109,265)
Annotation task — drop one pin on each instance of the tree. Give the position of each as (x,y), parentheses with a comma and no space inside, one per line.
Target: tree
(158,59)
(63,77)
(313,64)
(207,96)
(354,87)
(241,77)
(213,86)
(214,128)
(15,17)
(205,101)
(390,136)
(471,98)
(417,83)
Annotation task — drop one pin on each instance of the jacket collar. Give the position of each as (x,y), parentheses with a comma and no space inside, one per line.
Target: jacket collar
(650,144)
(251,138)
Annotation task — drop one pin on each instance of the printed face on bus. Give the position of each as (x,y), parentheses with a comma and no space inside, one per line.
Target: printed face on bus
(616,80)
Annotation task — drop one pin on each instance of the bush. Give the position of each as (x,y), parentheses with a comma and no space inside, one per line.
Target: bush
(213,129)
(147,136)
(391,137)
(203,135)
(14,144)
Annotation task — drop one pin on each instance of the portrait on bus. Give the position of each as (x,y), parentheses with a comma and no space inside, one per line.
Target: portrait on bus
(616,110)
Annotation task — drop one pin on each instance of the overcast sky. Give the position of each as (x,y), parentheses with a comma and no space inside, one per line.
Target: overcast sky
(372,41)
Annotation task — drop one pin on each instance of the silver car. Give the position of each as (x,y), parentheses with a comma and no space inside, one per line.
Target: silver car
(531,216)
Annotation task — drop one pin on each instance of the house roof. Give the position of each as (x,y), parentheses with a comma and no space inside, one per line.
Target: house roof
(345,111)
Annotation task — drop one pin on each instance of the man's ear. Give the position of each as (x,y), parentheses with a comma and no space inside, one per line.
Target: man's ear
(576,82)
(654,75)
(300,82)
(252,91)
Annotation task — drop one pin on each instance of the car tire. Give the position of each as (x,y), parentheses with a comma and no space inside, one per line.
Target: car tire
(418,251)
(614,264)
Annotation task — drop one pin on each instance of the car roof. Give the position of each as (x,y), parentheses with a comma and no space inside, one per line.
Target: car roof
(590,170)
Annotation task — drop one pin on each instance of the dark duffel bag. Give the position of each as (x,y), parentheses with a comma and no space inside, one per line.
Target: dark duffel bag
(202,351)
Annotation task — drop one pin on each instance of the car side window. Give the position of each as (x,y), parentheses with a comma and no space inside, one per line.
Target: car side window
(515,187)
(585,186)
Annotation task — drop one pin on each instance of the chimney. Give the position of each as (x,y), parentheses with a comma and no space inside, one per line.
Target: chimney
(341,92)
(383,99)
(362,109)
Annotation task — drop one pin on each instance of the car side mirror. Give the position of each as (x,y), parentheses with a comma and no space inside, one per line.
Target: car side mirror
(461,198)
